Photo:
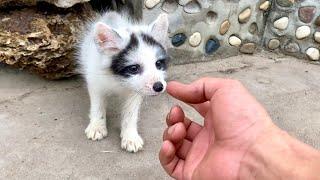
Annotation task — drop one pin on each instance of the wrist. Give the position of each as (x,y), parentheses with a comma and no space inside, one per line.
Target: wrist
(277,155)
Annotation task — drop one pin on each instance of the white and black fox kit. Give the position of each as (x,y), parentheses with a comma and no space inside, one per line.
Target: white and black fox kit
(120,56)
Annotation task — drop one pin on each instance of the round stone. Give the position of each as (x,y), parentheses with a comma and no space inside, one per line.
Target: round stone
(234,41)
(248,48)
(244,16)
(317,22)
(285,3)
(292,47)
(303,32)
(317,37)
(192,7)
(151,3)
(212,45)
(265,5)
(224,27)
(169,6)
(306,14)
(313,53)
(253,28)
(195,39)
(281,23)
(178,39)
(211,17)
(273,44)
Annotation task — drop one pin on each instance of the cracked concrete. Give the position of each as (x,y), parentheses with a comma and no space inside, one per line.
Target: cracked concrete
(42,122)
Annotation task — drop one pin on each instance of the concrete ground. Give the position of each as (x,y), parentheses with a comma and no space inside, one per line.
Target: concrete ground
(42,122)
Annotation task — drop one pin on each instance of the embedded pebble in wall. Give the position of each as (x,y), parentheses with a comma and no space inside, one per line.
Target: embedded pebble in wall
(195,39)
(317,37)
(183,2)
(224,27)
(253,28)
(265,5)
(281,23)
(285,3)
(192,7)
(151,3)
(211,17)
(169,6)
(244,16)
(317,21)
(273,44)
(303,32)
(313,53)
(248,48)
(234,41)
(212,45)
(306,14)
(292,47)
(178,39)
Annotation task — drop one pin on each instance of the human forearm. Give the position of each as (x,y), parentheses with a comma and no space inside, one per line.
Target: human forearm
(276,155)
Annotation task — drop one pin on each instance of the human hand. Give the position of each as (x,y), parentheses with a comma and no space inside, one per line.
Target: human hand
(233,121)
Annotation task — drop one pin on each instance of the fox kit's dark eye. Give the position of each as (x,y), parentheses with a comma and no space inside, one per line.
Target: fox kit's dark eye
(134,69)
(161,64)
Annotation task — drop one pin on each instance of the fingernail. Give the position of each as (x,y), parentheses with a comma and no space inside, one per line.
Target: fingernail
(171,129)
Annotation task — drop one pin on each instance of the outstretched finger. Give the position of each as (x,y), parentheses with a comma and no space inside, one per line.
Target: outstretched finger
(198,91)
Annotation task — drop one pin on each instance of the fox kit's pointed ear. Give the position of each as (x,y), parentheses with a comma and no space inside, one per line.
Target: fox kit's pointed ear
(107,38)
(159,28)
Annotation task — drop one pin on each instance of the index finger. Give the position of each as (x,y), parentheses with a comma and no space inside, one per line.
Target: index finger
(198,91)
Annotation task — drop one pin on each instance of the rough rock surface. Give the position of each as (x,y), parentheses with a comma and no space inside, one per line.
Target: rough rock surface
(58,3)
(12,3)
(41,42)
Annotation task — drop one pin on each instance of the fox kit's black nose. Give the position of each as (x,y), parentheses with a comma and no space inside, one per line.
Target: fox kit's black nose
(158,87)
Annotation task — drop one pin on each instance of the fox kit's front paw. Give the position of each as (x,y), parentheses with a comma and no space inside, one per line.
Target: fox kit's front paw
(96,131)
(131,142)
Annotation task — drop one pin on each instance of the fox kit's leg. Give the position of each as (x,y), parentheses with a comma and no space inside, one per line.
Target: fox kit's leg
(130,139)
(97,128)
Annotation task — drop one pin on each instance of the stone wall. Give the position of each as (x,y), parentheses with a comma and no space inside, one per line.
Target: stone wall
(204,30)
(293,28)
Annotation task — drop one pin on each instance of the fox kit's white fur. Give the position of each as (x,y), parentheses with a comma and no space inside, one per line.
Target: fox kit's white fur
(129,58)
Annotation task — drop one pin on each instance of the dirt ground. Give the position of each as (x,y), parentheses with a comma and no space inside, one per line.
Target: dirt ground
(42,122)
